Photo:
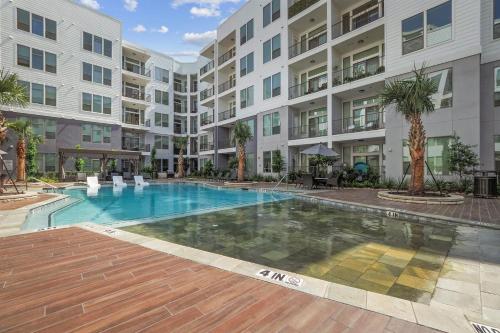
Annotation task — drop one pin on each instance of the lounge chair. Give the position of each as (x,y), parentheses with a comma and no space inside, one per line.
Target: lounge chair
(93,183)
(118,181)
(139,181)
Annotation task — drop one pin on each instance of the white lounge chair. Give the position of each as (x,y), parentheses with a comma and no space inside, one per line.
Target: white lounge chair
(118,181)
(93,183)
(139,181)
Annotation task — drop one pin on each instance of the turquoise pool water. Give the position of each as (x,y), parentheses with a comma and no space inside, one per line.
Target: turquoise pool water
(110,206)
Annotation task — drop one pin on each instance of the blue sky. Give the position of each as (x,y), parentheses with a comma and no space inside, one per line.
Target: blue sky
(176,27)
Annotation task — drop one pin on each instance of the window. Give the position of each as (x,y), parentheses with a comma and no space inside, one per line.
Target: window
(443,98)
(37,59)
(246,32)
(497,86)
(267,158)
(106,76)
(271,12)
(246,97)
(246,64)
(86,102)
(96,133)
(161,74)
(36,24)
(439,24)
(106,105)
(161,120)
(438,150)
(496,19)
(26,86)
(108,48)
(86,133)
(413,33)
(50,96)
(251,125)
(87,72)
(46,162)
(97,74)
(37,93)
(161,142)
(23,20)
(97,104)
(87,41)
(161,97)
(46,128)
(50,62)
(272,86)
(271,124)
(23,56)
(50,29)
(97,44)
(272,48)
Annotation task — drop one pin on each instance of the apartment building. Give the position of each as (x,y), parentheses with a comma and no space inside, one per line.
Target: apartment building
(89,89)
(311,71)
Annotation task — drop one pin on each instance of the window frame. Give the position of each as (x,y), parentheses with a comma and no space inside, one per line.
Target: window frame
(420,35)
(274,12)
(248,28)
(246,61)
(245,97)
(496,88)
(496,21)
(427,32)
(46,99)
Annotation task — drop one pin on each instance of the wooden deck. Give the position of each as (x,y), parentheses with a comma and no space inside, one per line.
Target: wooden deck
(72,280)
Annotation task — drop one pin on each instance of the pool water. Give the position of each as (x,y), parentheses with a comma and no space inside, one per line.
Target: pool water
(371,252)
(111,206)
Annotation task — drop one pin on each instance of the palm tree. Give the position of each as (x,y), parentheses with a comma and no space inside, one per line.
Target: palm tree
(22,128)
(241,135)
(181,142)
(412,98)
(11,94)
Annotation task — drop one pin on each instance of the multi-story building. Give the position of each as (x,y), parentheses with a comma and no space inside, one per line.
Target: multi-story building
(90,89)
(311,71)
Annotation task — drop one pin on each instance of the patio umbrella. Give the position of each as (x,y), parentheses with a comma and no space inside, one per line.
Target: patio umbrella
(320,149)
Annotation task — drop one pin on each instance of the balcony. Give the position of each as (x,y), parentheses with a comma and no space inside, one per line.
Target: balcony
(180,87)
(207,93)
(180,107)
(135,94)
(134,144)
(361,16)
(208,67)
(206,146)
(136,69)
(226,143)
(309,87)
(308,131)
(228,114)
(136,119)
(358,71)
(180,129)
(227,56)
(306,45)
(206,119)
(299,7)
(368,122)
(227,85)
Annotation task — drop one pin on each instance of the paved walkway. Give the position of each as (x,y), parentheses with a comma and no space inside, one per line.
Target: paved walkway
(73,280)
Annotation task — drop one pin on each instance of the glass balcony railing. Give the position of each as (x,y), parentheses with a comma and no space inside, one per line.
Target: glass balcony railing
(309,87)
(133,119)
(207,68)
(129,67)
(368,13)
(227,85)
(206,146)
(308,131)
(228,114)
(363,123)
(135,94)
(358,71)
(306,45)
(207,93)
(133,144)
(299,6)
(180,87)
(227,56)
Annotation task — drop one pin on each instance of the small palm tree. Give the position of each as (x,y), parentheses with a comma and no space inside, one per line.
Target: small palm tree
(22,128)
(181,142)
(413,98)
(241,135)
(11,94)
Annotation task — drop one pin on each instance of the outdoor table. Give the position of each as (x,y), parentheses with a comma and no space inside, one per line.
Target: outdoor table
(320,181)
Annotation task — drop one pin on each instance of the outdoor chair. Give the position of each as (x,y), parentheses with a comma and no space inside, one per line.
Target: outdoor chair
(332,182)
(81,176)
(118,181)
(308,181)
(93,183)
(139,181)
(299,181)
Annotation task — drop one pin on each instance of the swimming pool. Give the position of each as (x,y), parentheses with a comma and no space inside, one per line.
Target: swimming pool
(112,206)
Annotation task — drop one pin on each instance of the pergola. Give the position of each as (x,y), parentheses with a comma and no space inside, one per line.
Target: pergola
(104,155)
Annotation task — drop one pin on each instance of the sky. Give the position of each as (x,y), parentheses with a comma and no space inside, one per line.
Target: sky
(179,28)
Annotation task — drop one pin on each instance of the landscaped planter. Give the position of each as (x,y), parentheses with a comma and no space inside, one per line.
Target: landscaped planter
(433,199)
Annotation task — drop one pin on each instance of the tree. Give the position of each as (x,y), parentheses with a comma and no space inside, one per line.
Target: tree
(33,141)
(208,168)
(153,162)
(461,157)
(278,162)
(241,135)
(11,94)
(79,161)
(22,128)
(413,98)
(180,143)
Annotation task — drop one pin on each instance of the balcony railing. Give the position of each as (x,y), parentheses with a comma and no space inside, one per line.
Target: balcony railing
(368,122)
(206,146)
(207,93)
(351,22)
(306,45)
(136,94)
(179,129)
(227,85)
(299,6)
(180,87)
(226,56)
(136,69)
(133,119)
(208,67)
(309,87)
(206,119)
(134,144)
(225,144)
(308,131)
(180,107)
(194,87)
(359,70)
(228,114)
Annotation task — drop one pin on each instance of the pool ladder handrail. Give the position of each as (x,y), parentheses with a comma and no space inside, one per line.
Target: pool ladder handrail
(279,183)
(45,183)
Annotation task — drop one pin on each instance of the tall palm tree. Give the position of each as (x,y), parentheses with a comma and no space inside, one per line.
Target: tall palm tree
(412,98)
(22,128)
(11,94)
(241,135)
(181,142)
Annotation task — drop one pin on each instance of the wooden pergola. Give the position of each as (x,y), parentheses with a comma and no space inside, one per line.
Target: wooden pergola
(104,155)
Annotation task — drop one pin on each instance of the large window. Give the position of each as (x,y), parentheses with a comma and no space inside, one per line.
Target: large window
(23,20)
(46,128)
(161,119)
(37,93)
(36,59)
(97,44)
(271,49)
(161,142)
(272,86)
(50,62)
(246,97)
(161,74)
(40,94)
(161,97)
(443,98)
(413,33)
(271,12)
(97,74)
(246,32)
(496,19)
(438,151)
(50,96)
(497,86)
(271,124)
(23,56)
(46,162)
(439,24)
(267,158)
(246,64)
(96,103)
(96,134)
(37,25)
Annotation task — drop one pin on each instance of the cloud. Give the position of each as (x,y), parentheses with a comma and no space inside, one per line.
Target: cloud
(130,5)
(200,38)
(217,3)
(91,3)
(139,28)
(205,11)
(163,30)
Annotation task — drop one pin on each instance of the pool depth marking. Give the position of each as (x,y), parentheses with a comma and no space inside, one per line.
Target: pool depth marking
(280,277)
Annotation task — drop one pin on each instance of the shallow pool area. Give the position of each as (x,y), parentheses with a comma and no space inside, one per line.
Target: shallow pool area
(367,251)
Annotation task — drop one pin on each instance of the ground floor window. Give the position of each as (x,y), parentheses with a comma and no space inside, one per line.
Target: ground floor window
(497,153)
(250,163)
(46,162)
(361,157)
(161,165)
(437,153)
(267,158)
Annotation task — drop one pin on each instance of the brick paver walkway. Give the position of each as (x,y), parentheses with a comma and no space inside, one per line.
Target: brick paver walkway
(72,280)
(475,209)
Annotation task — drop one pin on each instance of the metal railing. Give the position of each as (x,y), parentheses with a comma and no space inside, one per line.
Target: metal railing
(180,107)
(141,70)
(180,87)
(225,144)
(179,129)
(299,6)
(135,94)
(358,71)
(228,114)
(132,119)
(227,56)
(309,87)
(307,131)
(134,144)
(208,67)
(351,22)
(206,119)
(369,122)
(306,45)
(207,93)
(227,85)
(206,146)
